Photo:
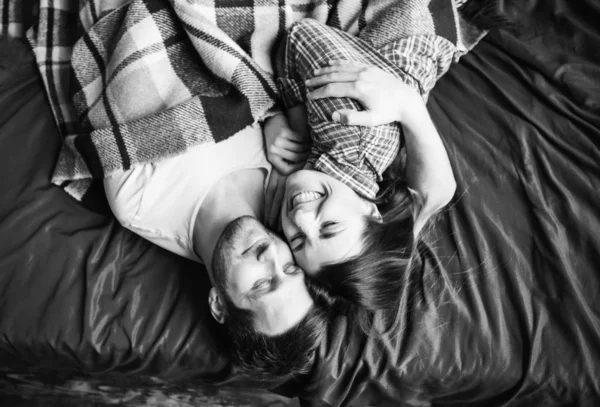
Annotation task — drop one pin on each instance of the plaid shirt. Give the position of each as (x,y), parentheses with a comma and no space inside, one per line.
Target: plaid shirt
(356,155)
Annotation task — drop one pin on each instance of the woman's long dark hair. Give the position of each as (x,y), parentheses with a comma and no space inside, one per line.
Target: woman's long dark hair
(370,284)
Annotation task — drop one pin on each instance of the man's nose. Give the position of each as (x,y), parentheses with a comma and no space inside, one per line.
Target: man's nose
(271,257)
(305,220)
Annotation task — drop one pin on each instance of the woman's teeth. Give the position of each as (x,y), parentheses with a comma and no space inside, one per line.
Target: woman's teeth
(304,197)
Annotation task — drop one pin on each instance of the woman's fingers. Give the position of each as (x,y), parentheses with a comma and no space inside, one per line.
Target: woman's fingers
(280,165)
(329,77)
(292,145)
(288,155)
(298,138)
(353,117)
(341,65)
(335,90)
(286,167)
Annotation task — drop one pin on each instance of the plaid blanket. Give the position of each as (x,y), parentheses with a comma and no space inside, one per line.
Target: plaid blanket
(135,81)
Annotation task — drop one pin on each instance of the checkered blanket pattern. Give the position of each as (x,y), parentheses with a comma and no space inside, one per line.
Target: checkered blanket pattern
(12,17)
(135,81)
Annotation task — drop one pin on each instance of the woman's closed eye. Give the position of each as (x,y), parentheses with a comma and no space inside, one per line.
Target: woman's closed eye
(329,229)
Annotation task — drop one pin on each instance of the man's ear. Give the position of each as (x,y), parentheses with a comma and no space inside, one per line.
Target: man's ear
(217,306)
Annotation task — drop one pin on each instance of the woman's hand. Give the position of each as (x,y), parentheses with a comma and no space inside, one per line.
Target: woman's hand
(287,150)
(384,97)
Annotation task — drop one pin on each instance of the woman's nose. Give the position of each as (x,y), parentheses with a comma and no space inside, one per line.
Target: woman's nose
(305,220)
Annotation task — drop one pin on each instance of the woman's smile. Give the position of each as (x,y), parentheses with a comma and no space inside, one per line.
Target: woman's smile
(322,219)
(304,197)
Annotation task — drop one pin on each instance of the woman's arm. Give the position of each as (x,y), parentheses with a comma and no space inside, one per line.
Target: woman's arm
(385,99)
(428,169)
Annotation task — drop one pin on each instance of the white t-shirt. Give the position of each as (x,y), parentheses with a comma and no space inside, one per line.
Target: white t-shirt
(159,201)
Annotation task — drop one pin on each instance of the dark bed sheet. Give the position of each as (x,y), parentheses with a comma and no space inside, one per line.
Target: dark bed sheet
(91,314)
(507,308)
(505,312)
(78,291)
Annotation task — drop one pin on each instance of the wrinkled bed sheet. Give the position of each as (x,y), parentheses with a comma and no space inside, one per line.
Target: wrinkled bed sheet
(505,312)
(507,308)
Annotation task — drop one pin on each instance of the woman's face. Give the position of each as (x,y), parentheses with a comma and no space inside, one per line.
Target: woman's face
(323,219)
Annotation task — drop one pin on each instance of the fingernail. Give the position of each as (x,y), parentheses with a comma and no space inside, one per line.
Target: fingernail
(335,116)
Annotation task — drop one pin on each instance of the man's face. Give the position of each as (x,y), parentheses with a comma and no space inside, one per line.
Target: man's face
(260,275)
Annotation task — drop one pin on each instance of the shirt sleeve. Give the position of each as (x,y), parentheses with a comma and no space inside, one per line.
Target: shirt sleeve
(124,192)
(354,155)
(423,58)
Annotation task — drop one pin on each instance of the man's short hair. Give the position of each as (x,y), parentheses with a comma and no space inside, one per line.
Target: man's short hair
(278,357)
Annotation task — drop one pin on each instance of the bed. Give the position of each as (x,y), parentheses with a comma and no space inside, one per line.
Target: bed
(505,312)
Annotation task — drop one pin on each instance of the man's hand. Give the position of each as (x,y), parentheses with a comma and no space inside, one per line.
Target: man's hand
(286,149)
(384,97)
(274,198)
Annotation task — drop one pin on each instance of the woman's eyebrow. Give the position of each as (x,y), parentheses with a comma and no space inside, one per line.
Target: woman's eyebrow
(329,235)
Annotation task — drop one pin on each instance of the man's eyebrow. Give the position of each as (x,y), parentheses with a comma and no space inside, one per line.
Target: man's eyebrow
(256,250)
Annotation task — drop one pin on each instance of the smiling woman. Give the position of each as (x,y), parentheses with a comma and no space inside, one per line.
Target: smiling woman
(360,257)
(353,214)
(323,219)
